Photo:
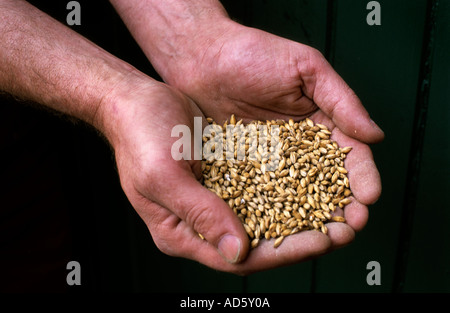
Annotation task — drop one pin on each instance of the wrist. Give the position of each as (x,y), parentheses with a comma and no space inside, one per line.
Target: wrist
(174,33)
(115,110)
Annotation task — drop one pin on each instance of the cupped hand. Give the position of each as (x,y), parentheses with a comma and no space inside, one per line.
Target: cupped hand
(168,196)
(257,75)
(165,192)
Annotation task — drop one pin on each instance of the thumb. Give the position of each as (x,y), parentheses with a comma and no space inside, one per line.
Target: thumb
(338,101)
(203,211)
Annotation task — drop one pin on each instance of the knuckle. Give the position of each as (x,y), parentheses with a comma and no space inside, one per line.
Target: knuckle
(168,240)
(315,61)
(315,53)
(161,227)
(165,248)
(200,218)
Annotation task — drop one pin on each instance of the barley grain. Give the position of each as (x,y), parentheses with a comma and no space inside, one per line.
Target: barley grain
(277,193)
(336,218)
(278,242)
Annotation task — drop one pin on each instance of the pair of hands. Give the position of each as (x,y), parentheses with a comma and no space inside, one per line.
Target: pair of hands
(254,75)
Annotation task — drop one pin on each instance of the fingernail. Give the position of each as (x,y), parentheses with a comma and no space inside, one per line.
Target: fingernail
(374,125)
(229,248)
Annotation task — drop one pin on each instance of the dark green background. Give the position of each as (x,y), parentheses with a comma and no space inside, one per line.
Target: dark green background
(401,72)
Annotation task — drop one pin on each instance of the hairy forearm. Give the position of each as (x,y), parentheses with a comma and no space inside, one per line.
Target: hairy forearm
(46,62)
(172,33)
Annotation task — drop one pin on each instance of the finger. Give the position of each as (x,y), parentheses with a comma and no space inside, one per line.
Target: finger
(356,215)
(341,234)
(180,240)
(203,211)
(363,175)
(334,97)
(175,237)
(295,248)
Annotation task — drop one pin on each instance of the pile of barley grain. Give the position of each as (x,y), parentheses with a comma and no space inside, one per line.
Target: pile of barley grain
(277,193)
